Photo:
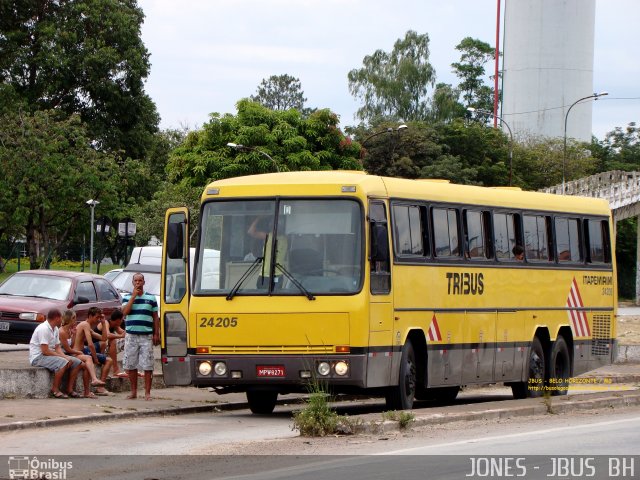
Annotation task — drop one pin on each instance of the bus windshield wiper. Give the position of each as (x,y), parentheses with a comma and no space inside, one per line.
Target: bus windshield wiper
(244,277)
(295,282)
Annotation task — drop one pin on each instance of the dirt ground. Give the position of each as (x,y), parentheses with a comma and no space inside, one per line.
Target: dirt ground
(628,328)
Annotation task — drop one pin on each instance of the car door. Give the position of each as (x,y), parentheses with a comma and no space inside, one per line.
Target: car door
(108,297)
(84,290)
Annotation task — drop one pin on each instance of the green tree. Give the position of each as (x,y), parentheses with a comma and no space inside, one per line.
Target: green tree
(50,169)
(470,69)
(620,149)
(394,85)
(445,105)
(82,57)
(280,92)
(293,141)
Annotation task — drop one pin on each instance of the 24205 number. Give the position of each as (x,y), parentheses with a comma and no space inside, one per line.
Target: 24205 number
(219,322)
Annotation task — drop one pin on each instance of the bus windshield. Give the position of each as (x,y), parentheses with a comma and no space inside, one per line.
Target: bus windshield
(316,244)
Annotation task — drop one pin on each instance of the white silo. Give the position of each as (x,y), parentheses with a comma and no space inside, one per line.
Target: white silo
(548,65)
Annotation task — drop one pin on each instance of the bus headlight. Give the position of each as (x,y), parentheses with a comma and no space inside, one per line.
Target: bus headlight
(220,368)
(324,368)
(204,368)
(341,368)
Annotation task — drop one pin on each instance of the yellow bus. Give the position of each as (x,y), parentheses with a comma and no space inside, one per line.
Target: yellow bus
(407,289)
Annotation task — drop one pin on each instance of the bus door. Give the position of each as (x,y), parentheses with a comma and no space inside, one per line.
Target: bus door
(174,296)
(380,352)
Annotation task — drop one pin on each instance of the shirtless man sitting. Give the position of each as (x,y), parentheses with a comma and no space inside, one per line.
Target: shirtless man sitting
(87,338)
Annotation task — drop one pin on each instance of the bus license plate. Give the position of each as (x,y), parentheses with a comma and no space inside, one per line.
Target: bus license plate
(4,326)
(270,371)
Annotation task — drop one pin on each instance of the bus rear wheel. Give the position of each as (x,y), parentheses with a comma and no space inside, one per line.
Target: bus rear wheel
(560,367)
(401,397)
(536,378)
(262,401)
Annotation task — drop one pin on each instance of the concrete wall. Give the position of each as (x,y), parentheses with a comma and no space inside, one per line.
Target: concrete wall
(548,65)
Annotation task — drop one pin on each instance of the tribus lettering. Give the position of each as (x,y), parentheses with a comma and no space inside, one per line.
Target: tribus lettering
(465,283)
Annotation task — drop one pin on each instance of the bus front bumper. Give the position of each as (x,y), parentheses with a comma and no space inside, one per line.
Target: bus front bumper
(284,372)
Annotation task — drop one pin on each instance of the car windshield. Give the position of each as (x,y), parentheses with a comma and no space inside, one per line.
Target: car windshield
(40,286)
(112,274)
(124,282)
(316,244)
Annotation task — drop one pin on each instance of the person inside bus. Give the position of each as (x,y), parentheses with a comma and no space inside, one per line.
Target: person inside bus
(262,229)
(518,253)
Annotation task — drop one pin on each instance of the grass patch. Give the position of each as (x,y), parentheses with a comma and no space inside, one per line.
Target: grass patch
(318,419)
(403,418)
(546,400)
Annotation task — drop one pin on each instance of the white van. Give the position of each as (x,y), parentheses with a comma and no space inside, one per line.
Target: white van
(149,255)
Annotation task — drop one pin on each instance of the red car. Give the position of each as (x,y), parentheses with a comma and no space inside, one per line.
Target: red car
(27,296)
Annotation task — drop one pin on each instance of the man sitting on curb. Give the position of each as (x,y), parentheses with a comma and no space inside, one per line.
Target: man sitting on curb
(115,341)
(88,341)
(45,351)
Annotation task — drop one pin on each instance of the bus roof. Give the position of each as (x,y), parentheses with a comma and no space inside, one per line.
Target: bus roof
(331,183)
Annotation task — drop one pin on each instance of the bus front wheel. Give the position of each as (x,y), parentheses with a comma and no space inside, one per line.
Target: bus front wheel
(536,379)
(401,397)
(262,401)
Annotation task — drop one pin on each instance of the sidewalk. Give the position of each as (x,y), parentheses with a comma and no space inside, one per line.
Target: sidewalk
(615,385)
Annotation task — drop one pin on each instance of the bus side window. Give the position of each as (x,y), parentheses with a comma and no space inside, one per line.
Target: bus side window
(598,243)
(476,235)
(409,230)
(568,240)
(537,238)
(445,232)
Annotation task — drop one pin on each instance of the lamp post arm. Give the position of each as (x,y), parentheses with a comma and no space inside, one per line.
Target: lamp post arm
(254,149)
(564,142)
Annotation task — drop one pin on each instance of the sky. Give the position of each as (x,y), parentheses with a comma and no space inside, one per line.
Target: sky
(208,54)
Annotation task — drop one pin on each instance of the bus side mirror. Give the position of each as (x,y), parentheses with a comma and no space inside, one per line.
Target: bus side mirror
(379,243)
(175,241)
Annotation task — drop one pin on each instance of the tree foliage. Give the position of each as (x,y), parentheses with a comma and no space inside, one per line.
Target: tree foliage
(293,142)
(394,85)
(82,57)
(50,169)
(470,69)
(280,92)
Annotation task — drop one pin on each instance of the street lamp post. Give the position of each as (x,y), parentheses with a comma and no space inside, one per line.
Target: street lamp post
(254,149)
(92,203)
(386,130)
(487,112)
(566,117)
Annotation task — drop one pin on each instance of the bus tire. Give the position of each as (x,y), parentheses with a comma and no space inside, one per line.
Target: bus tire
(536,373)
(401,396)
(559,367)
(262,402)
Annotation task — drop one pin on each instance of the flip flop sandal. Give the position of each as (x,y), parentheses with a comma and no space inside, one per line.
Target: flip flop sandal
(122,375)
(74,394)
(103,394)
(90,395)
(58,395)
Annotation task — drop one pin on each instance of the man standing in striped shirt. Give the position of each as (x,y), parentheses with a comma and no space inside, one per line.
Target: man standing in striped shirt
(142,328)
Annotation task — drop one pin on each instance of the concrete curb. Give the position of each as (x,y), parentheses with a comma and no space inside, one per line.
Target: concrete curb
(558,405)
(628,354)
